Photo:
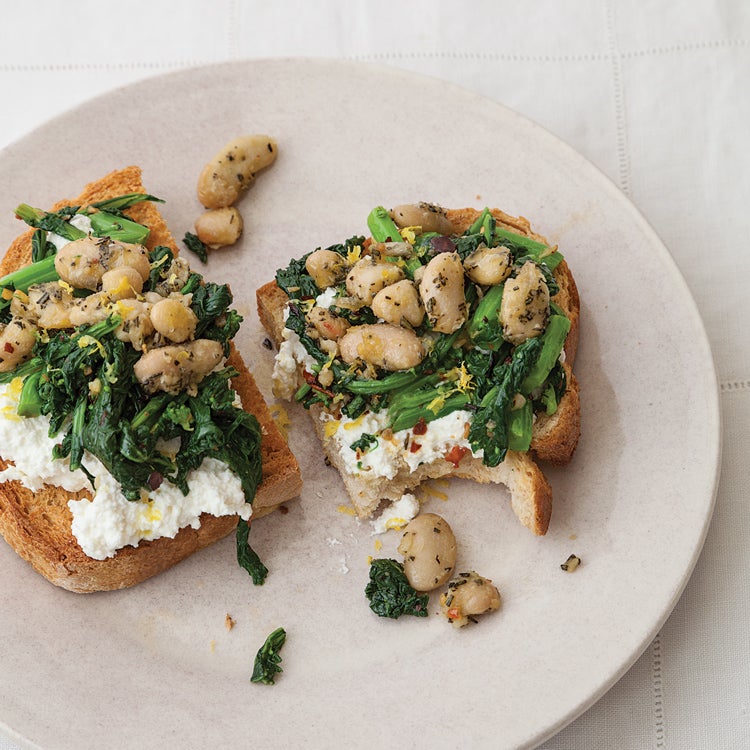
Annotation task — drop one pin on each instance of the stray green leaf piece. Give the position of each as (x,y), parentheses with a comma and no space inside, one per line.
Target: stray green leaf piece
(247,557)
(389,591)
(267,659)
(192,242)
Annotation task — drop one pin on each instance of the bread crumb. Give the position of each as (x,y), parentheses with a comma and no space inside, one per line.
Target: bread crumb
(347,509)
(212,646)
(228,622)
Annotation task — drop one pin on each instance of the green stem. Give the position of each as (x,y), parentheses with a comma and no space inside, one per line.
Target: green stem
(39,219)
(387,384)
(520,423)
(30,402)
(553,340)
(23,278)
(121,202)
(382,226)
(118,228)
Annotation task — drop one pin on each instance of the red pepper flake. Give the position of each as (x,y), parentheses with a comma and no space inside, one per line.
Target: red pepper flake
(455,454)
(420,428)
(311,380)
(414,447)
(9,347)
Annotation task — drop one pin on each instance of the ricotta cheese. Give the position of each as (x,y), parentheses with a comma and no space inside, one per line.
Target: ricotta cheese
(291,352)
(79,221)
(397,514)
(110,521)
(325,299)
(395,450)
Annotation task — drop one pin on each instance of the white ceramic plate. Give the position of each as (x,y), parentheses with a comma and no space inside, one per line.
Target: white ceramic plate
(154,666)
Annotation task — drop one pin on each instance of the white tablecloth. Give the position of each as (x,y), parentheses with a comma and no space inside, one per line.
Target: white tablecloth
(656,93)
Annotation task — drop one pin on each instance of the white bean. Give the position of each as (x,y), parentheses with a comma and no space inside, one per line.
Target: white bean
(118,254)
(442,292)
(428,216)
(177,368)
(398,302)
(173,320)
(429,549)
(469,594)
(219,227)
(326,267)
(232,170)
(488,265)
(524,308)
(136,326)
(49,305)
(17,339)
(368,276)
(79,263)
(382,345)
(122,283)
(327,324)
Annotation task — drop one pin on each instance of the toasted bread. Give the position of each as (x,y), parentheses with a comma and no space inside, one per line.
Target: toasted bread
(554,437)
(37,525)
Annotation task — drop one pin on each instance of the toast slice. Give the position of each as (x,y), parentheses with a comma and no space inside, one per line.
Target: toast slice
(554,437)
(37,525)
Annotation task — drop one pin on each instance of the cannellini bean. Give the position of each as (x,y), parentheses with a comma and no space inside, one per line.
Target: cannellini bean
(136,326)
(91,309)
(382,345)
(469,594)
(219,227)
(49,305)
(17,339)
(524,308)
(368,277)
(177,367)
(396,249)
(430,217)
(173,277)
(429,549)
(399,302)
(122,283)
(442,292)
(327,324)
(173,320)
(79,263)
(117,254)
(488,265)
(233,169)
(326,267)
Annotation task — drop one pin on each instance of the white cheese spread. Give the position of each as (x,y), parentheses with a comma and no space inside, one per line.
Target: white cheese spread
(110,521)
(326,298)
(79,221)
(397,514)
(285,377)
(394,451)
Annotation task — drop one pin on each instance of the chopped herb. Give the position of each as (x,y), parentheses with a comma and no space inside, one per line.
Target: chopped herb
(571,563)
(193,242)
(365,443)
(247,557)
(268,658)
(390,593)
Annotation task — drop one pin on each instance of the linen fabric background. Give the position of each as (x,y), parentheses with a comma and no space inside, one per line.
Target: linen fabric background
(655,93)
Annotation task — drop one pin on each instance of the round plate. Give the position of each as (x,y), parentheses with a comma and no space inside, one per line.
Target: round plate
(156,666)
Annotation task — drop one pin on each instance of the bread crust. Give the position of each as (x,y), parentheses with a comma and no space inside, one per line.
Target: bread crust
(554,438)
(37,525)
